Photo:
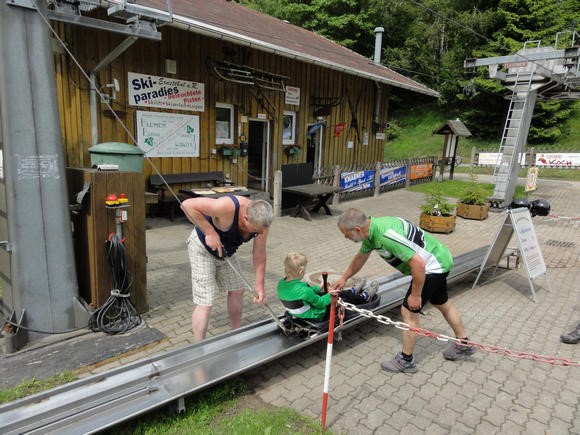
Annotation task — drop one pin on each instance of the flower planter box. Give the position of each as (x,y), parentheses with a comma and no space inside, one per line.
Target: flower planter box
(227,151)
(292,150)
(468,211)
(437,224)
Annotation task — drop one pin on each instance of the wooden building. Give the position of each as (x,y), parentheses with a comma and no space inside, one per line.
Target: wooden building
(209,85)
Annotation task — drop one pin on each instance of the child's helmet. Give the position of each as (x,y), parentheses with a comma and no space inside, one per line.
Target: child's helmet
(520,203)
(540,207)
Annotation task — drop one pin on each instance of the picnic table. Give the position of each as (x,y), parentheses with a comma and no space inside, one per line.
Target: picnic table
(309,193)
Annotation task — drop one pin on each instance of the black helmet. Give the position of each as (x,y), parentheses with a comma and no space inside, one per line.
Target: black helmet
(540,207)
(520,203)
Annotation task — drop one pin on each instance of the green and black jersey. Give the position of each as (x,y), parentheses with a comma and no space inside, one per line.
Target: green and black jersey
(397,240)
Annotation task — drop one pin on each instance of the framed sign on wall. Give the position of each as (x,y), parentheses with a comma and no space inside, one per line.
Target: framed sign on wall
(167,134)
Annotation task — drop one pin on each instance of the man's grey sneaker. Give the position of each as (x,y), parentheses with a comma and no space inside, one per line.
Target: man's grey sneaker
(359,285)
(572,337)
(398,364)
(455,351)
(371,289)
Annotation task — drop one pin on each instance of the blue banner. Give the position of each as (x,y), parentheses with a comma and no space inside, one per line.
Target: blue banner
(393,175)
(353,181)
(315,127)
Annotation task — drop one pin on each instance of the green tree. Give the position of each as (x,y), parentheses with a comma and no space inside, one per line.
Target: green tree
(516,23)
(428,40)
(350,23)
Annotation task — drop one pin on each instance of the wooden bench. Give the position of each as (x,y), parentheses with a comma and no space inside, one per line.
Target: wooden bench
(299,190)
(158,184)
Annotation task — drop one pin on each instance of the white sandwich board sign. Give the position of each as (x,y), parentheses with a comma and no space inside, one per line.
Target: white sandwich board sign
(518,220)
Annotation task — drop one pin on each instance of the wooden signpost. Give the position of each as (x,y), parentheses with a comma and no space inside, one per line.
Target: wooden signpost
(519,221)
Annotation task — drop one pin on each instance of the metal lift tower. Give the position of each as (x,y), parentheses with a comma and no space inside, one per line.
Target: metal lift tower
(533,73)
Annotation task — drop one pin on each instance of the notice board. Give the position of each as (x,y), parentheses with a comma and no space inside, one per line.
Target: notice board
(517,220)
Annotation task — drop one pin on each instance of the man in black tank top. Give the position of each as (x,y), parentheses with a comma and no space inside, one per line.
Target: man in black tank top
(221,226)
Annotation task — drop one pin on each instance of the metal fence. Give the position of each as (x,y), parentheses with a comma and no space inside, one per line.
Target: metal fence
(358,181)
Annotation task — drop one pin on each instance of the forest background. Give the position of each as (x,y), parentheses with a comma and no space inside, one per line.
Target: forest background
(429,40)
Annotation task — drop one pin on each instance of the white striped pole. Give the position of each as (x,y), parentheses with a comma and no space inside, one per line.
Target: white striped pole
(328,353)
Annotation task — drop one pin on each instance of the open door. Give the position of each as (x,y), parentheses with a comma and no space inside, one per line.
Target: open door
(314,141)
(258,154)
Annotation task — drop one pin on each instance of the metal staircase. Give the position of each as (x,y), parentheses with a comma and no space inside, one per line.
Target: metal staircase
(514,135)
(533,73)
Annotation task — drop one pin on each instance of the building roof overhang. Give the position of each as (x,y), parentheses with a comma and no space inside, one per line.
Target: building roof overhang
(240,25)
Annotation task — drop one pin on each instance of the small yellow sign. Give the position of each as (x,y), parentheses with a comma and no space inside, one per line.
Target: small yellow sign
(532,179)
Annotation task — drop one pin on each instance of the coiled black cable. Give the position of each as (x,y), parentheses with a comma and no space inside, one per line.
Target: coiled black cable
(118,314)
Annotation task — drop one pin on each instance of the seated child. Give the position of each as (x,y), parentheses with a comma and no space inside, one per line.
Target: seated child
(308,302)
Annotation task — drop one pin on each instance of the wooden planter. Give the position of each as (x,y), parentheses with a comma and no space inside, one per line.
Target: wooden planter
(467,211)
(437,224)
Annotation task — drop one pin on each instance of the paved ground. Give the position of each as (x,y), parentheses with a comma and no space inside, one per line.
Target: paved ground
(489,393)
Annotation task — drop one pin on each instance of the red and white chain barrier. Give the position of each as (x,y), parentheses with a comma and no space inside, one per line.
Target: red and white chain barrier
(484,347)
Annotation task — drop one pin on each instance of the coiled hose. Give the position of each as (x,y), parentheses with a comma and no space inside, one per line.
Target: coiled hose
(118,314)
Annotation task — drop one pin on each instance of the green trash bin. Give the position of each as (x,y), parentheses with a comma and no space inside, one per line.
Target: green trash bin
(126,156)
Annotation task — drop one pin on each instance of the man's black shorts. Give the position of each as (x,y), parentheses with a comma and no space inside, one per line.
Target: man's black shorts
(434,291)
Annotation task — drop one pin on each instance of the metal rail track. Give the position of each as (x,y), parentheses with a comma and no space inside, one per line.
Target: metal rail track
(104,400)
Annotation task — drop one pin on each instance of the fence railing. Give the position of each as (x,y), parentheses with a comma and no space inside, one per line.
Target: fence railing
(359,181)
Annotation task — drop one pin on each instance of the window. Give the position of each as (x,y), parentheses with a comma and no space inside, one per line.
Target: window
(224,123)
(289,128)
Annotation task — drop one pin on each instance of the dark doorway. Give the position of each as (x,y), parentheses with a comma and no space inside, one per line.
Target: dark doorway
(258,155)
(314,141)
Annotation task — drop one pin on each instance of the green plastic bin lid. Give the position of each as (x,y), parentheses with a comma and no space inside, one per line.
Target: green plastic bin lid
(115,148)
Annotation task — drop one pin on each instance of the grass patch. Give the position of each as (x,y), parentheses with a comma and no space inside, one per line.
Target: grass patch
(413,137)
(33,386)
(546,173)
(225,408)
(454,188)
(275,421)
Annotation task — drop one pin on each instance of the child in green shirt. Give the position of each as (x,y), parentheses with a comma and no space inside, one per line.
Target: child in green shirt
(306,301)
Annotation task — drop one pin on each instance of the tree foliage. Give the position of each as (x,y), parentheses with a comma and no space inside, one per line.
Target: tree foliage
(429,40)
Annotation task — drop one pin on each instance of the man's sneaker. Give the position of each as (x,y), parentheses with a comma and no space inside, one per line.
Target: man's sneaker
(572,337)
(359,285)
(398,364)
(371,290)
(455,351)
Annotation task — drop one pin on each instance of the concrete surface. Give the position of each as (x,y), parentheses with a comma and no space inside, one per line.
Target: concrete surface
(487,393)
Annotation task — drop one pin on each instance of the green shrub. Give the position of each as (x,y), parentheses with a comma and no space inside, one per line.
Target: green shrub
(474,193)
(436,204)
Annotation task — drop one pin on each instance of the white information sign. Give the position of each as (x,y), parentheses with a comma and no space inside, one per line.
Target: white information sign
(520,221)
(292,95)
(165,92)
(167,134)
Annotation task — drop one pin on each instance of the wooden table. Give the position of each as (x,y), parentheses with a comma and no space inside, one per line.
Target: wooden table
(321,193)
(209,193)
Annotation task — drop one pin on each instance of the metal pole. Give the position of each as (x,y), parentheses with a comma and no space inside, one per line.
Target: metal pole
(251,288)
(328,361)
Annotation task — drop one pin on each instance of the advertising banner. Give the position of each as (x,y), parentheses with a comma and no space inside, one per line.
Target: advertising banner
(166,93)
(492,159)
(393,175)
(566,160)
(424,170)
(353,181)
